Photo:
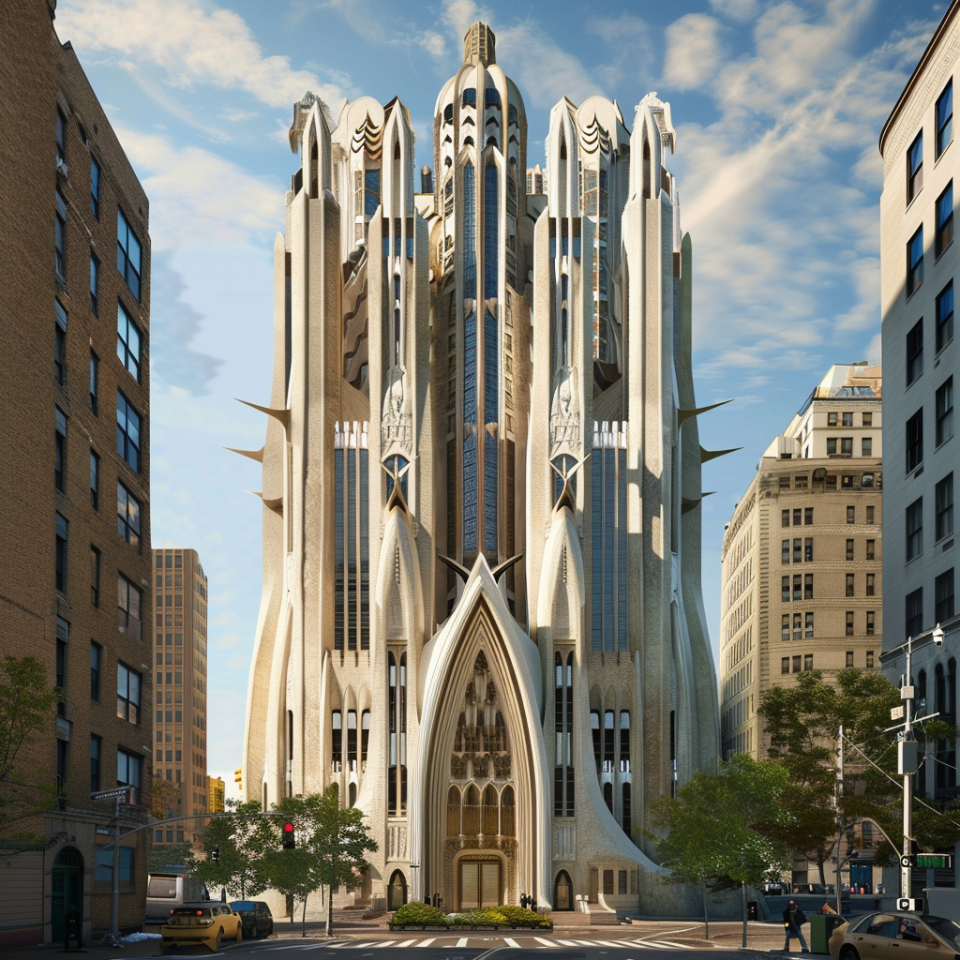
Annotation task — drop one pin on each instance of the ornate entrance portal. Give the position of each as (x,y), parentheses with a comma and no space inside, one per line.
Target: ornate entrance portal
(479,884)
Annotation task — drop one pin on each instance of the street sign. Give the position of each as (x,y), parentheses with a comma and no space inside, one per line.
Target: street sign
(910,904)
(934,861)
(110,794)
(896,713)
(106,831)
(907,861)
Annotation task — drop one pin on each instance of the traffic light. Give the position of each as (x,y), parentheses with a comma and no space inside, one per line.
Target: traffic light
(238,778)
(289,837)
(215,854)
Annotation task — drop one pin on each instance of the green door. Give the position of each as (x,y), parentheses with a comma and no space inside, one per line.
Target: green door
(66,888)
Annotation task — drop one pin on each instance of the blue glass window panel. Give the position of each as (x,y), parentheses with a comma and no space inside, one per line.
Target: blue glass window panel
(338,570)
(364,549)
(553,248)
(490,486)
(491,370)
(945,119)
(945,206)
(469,97)
(128,432)
(470,494)
(128,254)
(396,463)
(469,232)
(561,462)
(371,191)
(622,549)
(350,482)
(596,554)
(576,248)
(609,543)
(470,369)
(491,226)
(491,97)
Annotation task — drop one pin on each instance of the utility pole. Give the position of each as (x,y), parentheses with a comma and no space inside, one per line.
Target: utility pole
(907,753)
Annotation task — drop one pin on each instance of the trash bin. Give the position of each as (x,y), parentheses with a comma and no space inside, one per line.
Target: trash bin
(753,910)
(821,929)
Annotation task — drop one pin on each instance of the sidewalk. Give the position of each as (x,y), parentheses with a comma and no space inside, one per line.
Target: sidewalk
(762,938)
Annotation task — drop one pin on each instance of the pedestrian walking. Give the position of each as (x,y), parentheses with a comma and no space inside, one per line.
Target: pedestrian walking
(793,921)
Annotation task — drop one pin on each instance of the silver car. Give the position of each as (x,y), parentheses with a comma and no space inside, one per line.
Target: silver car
(896,936)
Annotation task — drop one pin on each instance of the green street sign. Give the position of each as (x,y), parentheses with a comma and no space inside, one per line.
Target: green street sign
(934,861)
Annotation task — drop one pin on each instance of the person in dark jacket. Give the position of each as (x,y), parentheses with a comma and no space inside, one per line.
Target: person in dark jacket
(793,921)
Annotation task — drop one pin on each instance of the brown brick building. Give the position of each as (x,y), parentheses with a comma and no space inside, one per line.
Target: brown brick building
(74,431)
(180,690)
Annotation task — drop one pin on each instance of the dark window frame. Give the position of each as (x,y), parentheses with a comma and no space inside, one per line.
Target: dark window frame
(915,351)
(944,220)
(944,119)
(915,261)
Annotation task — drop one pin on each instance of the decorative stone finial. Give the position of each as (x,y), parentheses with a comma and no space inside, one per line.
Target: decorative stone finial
(480,43)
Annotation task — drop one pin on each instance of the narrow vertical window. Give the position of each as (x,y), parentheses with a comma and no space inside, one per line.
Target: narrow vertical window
(95,188)
(128,432)
(128,254)
(944,235)
(94,381)
(61,555)
(94,576)
(945,316)
(96,745)
(915,167)
(60,449)
(96,666)
(338,550)
(914,441)
(945,118)
(94,282)
(944,506)
(336,741)
(60,239)
(914,525)
(915,261)
(60,344)
(94,481)
(61,138)
(915,351)
(128,342)
(352,740)
(944,411)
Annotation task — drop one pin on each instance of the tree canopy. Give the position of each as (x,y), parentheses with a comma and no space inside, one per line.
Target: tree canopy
(27,707)
(722,829)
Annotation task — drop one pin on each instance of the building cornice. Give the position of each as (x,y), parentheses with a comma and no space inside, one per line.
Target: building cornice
(928,53)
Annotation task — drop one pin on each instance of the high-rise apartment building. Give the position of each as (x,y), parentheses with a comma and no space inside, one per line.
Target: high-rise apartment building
(481,614)
(180,690)
(216,795)
(74,480)
(802,554)
(919,267)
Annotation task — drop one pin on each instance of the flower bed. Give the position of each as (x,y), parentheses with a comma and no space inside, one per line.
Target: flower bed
(423,916)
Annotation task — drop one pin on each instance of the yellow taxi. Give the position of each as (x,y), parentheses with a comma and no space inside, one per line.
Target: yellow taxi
(201,924)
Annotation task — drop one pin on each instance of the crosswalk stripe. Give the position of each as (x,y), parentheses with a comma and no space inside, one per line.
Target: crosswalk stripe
(569,943)
(546,943)
(670,943)
(463,941)
(428,941)
(406,943)
(510,942)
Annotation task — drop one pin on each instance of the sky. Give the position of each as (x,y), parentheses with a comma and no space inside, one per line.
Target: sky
(778,107)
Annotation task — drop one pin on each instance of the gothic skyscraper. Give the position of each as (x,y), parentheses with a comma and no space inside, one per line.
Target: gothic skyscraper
(481,611)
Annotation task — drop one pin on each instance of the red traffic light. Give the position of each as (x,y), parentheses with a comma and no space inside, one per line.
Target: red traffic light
(289,838)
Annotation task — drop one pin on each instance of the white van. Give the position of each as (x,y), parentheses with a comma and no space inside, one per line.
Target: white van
(168,890)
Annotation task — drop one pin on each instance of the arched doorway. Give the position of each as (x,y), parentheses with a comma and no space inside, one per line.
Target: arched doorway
(66,889)
(397,891)
(563,892)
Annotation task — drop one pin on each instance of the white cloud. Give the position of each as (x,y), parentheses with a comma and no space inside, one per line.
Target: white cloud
(694,51)
(199,197)
(434,43)
(193,43)
(633,54)
(735,9)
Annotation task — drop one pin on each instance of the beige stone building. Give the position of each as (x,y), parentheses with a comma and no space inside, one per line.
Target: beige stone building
(802,554)
(920,265)
(180,689)
(481,611)
(74,476)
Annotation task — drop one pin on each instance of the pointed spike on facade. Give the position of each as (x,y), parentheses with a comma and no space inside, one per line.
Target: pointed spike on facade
(282,415)
(252,454)
(706,455)
(684,415)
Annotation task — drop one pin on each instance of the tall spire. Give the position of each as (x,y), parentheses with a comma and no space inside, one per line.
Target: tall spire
(480,43)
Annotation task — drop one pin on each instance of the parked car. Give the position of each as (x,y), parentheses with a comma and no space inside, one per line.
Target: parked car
(200,924)
(774,889)
(896,936)
(256,918)
(171,888)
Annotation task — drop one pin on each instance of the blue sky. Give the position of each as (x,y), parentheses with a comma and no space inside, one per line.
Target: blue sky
(778,107)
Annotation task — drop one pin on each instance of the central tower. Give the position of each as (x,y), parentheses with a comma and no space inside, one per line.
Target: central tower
(480,162)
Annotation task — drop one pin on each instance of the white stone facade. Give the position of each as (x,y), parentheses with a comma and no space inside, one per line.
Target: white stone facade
(481,612)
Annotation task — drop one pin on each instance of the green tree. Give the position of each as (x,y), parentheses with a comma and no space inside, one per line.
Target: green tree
(242,841)
(721,829)
(169,855)
(27,708)
(803,722)
(332,844)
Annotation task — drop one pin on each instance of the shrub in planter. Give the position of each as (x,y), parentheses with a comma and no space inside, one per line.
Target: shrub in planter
(519,917)
(481,918)
(415,914)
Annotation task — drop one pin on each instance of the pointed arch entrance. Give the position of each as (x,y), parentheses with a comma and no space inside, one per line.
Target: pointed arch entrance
(483,770)
(397,891)
(562,892)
